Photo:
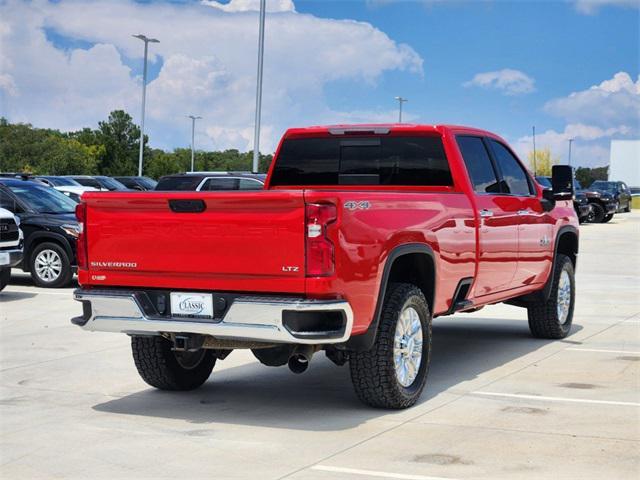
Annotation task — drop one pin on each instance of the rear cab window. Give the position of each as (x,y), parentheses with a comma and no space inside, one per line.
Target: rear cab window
(411,160)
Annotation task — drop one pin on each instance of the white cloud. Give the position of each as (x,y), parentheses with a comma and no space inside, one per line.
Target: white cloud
(509,81)
(613,102)
(589,7)
(595,116)
(252,5)
(208,66)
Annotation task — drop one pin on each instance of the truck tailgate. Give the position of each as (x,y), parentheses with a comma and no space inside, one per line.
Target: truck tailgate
(240,241)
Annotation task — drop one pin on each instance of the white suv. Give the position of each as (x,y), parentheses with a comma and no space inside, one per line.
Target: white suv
(10,245)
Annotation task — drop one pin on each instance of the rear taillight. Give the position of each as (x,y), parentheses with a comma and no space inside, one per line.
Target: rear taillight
(320,250)
(81,243)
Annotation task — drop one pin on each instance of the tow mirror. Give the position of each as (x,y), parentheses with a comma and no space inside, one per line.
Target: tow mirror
(562,182)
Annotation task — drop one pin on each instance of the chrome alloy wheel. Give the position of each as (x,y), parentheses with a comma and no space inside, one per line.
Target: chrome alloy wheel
(564,297)
(407,347)
(48,265)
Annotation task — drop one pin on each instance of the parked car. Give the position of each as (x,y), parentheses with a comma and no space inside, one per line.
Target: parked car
(137,183)
(66,185)
(621,193)
(11,241)
(603,204)
(99,182)
(580,201)
(362,235)
(212,181)
(50,230)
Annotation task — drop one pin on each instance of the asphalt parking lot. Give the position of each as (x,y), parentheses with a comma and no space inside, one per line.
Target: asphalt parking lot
(499,404)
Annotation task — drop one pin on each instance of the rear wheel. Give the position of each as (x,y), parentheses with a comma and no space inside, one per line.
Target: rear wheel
(607,218)
(552,318)
(5,276)
(393,373)
(162,368)
(597,213)
(50,266)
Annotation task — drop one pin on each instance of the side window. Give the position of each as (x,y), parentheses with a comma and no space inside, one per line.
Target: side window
(221,183)
(513,174)
(479,166)
(249,184)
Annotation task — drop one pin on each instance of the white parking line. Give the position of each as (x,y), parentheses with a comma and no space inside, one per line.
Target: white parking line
(557,399)
(596,350)
(374,473)
(40,292)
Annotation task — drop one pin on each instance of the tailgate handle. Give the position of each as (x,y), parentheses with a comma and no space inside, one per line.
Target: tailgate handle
(187,206)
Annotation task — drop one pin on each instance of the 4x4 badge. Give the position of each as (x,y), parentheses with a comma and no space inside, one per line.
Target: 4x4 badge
(353,205)
(545,241)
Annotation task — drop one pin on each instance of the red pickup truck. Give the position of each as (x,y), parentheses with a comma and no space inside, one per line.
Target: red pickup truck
(361,236)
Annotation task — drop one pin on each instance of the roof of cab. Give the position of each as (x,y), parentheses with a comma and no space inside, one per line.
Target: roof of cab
(381,129)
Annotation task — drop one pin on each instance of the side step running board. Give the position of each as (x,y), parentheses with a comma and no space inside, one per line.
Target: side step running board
(462,305)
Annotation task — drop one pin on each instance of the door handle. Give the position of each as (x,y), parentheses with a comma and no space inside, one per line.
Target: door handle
(523,212)
(484,213)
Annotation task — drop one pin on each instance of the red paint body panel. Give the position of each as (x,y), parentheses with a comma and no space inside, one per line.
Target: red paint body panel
(255,241)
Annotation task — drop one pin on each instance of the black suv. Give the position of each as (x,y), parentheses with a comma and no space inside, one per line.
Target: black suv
(621,193)
(137,183)
(212,181)
(603,204)
(581,204)
(48,221)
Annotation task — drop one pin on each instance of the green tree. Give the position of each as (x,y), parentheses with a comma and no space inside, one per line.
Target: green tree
(121,140)
(586,176)
(543,162)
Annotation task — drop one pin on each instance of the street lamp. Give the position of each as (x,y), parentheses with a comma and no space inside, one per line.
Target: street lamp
(193,129)
(400,102)
(534,150)
(146,41)
(570,142)
(256,133)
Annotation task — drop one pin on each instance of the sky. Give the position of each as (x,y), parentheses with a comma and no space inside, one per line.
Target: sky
(571,68)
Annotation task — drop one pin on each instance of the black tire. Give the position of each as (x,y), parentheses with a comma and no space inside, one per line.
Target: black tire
(607,218)
(5,276)
(544,320)
(65,275)
(373,372)
(628,209)
(597,213)
(161,367)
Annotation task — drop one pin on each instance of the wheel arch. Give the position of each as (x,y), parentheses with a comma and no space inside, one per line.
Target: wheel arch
(566,244)
(413,263)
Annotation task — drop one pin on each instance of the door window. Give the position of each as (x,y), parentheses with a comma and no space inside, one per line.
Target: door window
(479,165)
(513,174)
(221,183)
(250,184)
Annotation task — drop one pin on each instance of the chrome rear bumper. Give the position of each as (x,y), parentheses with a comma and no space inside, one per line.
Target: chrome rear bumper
(248,318)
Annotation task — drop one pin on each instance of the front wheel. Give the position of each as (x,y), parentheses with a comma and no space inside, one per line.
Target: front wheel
(393,373)
(597,213)
(165,369)
(552,318)
(50,266)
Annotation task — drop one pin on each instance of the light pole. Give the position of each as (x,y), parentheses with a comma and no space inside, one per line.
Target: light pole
(256,133)
(193,130)
(400,102)
(146,41)
(534,150)
(570,142)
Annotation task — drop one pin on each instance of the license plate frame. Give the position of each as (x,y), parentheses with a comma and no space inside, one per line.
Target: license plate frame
(192,305)
(5,259)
